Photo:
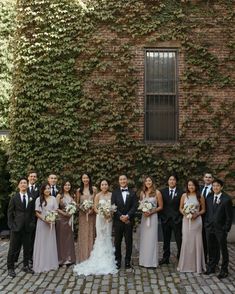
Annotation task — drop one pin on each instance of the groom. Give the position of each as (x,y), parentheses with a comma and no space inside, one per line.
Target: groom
(126,201)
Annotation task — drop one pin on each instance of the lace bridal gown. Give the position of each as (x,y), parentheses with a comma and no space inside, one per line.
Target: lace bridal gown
(102,259)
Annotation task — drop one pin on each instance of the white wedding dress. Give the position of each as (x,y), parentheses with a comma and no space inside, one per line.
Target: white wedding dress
(102,259)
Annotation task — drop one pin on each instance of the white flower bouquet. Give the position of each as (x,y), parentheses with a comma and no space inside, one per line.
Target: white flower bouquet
(51,217)
(86,206)
(146,206)
(71,208)
(189,210)
(106,209)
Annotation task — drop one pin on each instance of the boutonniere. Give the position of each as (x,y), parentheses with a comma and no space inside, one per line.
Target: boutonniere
(127,194)
(30,199)
(218,201)
(35,189)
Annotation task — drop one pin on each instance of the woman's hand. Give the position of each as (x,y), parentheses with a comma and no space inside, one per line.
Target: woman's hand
(147,213)
(195,215)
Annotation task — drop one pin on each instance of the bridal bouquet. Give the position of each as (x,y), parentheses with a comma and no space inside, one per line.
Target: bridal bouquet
(71,208)
(146,206)
(86,206)
(106,209)
(189,210)
(51,217)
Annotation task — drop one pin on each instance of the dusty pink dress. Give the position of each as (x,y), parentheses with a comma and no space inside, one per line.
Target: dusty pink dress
(86,231)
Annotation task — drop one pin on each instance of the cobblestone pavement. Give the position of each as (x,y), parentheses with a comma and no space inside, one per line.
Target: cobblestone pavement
(164,279)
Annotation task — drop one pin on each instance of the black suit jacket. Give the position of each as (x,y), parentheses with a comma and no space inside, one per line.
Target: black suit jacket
(171,206)
(20,218)
(220,217)
(130,206)
(36,192)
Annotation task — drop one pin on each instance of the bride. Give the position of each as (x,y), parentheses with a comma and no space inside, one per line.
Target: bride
(102,259)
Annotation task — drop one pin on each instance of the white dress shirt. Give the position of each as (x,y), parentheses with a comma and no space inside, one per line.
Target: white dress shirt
(124,194)
(208,190)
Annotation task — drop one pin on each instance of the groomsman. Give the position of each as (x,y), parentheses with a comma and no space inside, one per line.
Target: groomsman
(218,222)
(205,190)
(171,218)
(126,201)
(33,187)
(21,221)
(52,180)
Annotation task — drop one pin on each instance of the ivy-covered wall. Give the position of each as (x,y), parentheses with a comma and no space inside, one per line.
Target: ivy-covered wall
(7,28)
(78,88)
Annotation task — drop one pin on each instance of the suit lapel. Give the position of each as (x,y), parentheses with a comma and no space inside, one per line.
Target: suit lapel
(120,196)
(19,200)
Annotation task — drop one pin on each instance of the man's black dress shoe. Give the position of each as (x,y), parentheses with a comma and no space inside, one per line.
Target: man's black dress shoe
(164,261)
(11,273)
(118,265)
(28,270)
(222,275)
(209,271)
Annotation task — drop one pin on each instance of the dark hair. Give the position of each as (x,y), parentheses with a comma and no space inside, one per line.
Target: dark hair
(42,197)
(197,188)
(52,173)
(122,175)
(102,181)
(218,181)
(207,172)
(173,175)
(144,188)
(21,179)
(32,172)
(62,189)
(82,184)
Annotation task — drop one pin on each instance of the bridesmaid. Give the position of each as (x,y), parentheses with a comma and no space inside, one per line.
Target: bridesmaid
(86,225)
(45,256)
(148,255)
(192,254)
(64,227)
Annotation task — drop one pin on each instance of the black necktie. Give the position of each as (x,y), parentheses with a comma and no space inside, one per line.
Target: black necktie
(53,191)
(205,192)
(124,190)
(171,193)
(24,201)
(215,200)
(32,189)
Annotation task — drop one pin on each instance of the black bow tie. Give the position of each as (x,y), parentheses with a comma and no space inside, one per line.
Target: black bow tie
(124,190)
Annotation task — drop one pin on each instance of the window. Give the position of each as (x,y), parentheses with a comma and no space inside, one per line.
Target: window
(161,103)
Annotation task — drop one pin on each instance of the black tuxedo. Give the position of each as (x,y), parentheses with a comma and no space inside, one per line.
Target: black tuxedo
(123,229)
(218,222)
(21,222)
(203,224)
(171,219)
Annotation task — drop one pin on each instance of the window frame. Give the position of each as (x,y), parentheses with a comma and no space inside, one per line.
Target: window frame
(163,50)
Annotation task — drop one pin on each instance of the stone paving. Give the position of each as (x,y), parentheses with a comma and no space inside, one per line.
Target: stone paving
(164,279)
